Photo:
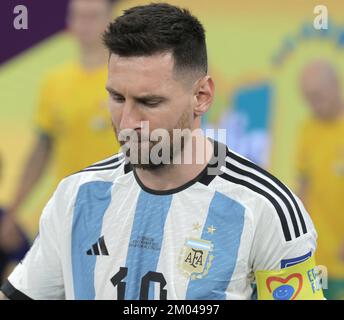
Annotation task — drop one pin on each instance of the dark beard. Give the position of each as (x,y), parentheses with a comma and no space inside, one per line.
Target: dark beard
(155,166)
(183,123)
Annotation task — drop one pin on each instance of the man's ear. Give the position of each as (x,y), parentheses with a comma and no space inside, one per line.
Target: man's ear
(204,94)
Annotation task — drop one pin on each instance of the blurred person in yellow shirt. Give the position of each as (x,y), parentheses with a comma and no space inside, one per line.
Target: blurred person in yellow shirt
(72,121)
(9,259)
(320,168)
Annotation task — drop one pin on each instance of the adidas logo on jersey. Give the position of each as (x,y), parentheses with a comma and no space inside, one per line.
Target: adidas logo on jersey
(98,249)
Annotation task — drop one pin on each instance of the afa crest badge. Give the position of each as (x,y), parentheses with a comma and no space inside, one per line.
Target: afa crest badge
(196,258)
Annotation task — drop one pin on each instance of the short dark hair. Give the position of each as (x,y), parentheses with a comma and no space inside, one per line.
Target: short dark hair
(157,28)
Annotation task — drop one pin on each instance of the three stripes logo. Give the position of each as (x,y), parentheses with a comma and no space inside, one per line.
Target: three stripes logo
(98,249)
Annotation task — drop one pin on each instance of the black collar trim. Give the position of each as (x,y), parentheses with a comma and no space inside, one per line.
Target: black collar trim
(203,177)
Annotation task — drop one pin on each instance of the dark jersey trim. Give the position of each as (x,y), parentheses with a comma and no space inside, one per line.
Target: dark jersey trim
(113,160)
(203,177)
(273,178)
(268,196)
(215,162)
(269,186)
(12,293)
(128,168)
(170,191)
(102,169)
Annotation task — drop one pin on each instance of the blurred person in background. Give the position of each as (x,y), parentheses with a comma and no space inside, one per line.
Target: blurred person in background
(320,168)
(9,258)
(72,121)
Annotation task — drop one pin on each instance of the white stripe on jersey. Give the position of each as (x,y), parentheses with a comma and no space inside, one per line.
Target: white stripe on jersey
(174,240)
(250,180)
(273,183)
(117,249)
(245,168)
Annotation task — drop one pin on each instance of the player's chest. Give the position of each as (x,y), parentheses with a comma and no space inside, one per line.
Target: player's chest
(327,158)
(168,246)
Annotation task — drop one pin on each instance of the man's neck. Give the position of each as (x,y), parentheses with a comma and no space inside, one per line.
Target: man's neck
(336,115)
(93,58)
(175,175)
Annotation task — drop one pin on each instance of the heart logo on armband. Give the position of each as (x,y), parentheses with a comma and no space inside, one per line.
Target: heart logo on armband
(285,288)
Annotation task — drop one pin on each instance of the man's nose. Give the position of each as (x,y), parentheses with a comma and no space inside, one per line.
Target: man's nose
(131,117)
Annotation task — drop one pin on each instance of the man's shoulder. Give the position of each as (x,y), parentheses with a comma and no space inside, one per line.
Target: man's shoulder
(254,179)
(310,125)
(106,170)
(62,71)
(269,199)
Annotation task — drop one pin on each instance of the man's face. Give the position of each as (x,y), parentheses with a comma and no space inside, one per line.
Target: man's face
(321,96)
(146,91)
(87,19)
(320,88)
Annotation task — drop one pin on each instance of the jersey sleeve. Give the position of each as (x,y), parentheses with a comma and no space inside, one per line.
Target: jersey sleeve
(39,274)
(44,116)
(285,269)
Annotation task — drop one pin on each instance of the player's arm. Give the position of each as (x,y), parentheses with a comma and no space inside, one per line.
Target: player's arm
(39,275)
(285,268)
(40,153)
(34,168)
(301,163)
(303,187)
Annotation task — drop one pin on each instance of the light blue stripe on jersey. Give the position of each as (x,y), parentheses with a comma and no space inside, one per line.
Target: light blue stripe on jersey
(91,203)
(145,241)
(227,217)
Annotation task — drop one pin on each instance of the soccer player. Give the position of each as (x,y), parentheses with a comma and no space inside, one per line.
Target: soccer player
(320,167)
(212,226)
(72,125)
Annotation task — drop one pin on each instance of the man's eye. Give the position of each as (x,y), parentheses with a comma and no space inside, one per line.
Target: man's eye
(151,103)
(117,98)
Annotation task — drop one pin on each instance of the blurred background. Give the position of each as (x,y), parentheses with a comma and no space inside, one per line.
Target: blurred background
(273,72)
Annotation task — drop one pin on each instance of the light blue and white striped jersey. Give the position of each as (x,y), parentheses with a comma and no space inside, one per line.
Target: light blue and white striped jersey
(104,235)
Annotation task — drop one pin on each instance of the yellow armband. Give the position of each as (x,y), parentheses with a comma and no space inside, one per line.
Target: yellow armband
(298,282)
